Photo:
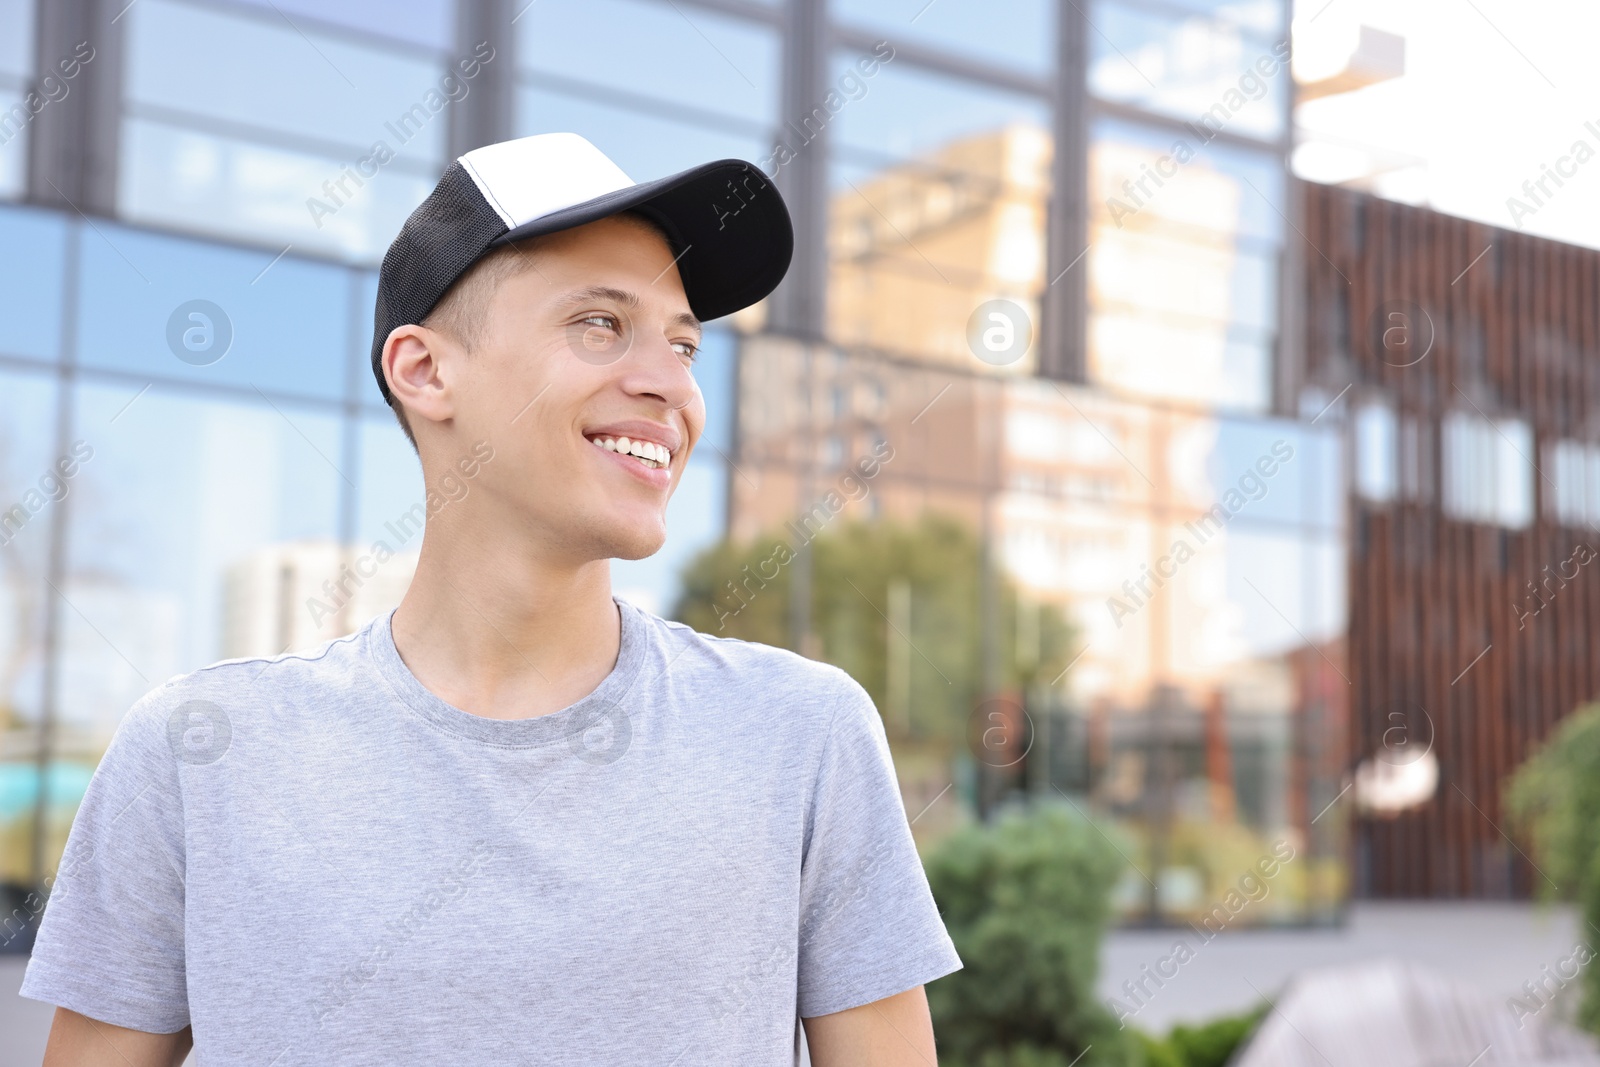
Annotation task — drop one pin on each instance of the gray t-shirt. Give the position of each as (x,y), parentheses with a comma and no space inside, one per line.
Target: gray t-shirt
(313,859)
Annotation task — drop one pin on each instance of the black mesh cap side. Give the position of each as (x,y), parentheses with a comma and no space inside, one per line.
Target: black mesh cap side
(446,234)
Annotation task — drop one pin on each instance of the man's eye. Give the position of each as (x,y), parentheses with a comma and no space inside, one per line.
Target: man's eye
(598,319)
(685,349)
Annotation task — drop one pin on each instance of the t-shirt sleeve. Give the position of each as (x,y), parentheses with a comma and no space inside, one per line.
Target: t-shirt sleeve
(110,942)
(869,927)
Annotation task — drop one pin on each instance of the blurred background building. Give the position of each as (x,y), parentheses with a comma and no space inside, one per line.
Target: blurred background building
(1475,497)
(1055,261)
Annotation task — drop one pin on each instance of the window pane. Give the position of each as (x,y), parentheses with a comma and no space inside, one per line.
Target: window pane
(31,488)
(1488,469)
(31,280)
(917,248)
(1202,187)
(283,324)
(1080,445)
(24,92)
(669,52)
(178,178)
(1022,39)
(367,392)
(645,146)
(1377,452)
(13,141)
(1592,482)
(296,594)
(1514,472)
(1180,362)
(1246,383)
(1571,478)
(16,37)
(1260,470)
(1192,618)
(714,373)
(1183,266)
(205,62)
(910,113)
(1191,68)
(159,587)
(390,486)
(1261,16)
(1293,601)
(301,593)
(1185,280)
(424,22)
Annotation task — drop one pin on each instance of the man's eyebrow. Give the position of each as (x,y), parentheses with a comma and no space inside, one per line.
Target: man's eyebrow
(602,292)
(628,300)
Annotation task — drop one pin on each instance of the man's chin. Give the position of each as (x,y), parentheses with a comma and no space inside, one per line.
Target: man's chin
(633,544)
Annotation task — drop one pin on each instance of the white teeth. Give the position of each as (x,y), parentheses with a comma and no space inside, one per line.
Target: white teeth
(649,453)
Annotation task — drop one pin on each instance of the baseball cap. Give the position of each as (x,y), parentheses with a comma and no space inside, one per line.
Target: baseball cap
(727,223)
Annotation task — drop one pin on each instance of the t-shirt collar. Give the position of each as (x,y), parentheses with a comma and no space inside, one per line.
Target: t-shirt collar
(557,726)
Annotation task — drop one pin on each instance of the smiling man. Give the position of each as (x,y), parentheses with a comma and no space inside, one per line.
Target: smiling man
(517,820)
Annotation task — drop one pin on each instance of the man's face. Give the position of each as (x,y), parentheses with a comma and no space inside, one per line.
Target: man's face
(593,343)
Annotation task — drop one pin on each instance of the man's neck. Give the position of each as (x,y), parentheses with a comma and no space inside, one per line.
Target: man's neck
(504,634)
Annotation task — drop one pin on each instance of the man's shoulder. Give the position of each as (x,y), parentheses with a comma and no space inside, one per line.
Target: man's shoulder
(247,678)
(734,663)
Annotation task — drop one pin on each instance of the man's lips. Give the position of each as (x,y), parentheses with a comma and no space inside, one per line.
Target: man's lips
(655,477)
(656,433)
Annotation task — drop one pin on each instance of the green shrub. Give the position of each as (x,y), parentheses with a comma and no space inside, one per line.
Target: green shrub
(1554,798)
(1156,1052)
(1026,900)
(1210,1044)
(1023,1055)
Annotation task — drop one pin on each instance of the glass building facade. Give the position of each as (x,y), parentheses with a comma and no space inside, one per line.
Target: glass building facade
(190,226)
(1133,465)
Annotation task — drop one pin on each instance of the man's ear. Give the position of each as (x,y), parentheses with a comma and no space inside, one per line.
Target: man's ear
(418,367)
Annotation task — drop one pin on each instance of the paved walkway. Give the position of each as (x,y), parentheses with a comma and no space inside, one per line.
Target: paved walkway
(1494,946)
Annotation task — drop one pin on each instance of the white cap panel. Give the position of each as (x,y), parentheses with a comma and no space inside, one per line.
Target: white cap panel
(531,177)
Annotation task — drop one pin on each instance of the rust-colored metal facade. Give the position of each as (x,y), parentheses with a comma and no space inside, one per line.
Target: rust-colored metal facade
(1445,643)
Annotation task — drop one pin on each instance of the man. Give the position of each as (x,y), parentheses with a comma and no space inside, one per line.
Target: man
(517,820)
